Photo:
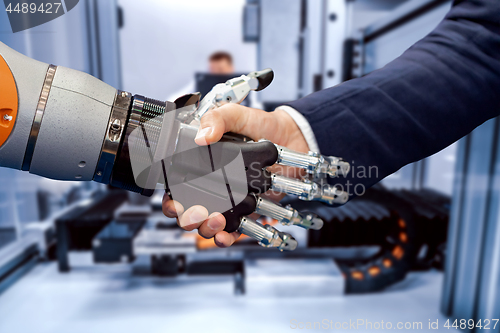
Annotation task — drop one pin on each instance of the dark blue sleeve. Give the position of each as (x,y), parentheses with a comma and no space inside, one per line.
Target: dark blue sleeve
(438,91)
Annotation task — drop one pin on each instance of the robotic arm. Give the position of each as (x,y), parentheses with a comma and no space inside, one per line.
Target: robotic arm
(67,125)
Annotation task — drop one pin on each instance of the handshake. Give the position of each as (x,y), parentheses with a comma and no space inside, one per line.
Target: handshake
(228,164)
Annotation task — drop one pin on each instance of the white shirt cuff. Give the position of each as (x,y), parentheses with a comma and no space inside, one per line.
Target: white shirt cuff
(303,125)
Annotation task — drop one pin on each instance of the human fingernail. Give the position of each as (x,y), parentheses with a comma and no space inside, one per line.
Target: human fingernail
(201,135)
(218,241)
(198,215)
(214,223)
(171,210)
(175,208)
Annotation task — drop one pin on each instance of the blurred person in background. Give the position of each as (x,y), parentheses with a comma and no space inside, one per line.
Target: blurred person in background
(219,63)
(438,91)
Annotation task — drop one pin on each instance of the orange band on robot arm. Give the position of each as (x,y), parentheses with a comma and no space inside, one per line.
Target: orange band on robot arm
(8,101)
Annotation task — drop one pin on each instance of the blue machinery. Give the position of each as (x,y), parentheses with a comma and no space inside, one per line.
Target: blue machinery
(469,170)
(472,273)
(313,30)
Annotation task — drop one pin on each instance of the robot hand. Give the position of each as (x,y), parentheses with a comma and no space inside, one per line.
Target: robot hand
(244,182)
(63,124)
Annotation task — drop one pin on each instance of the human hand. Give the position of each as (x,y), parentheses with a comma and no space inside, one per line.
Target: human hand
(277,126)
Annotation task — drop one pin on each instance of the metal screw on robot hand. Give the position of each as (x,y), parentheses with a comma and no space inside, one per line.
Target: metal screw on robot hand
(287,215)
(267,236)
(312,162)
(116,125)
(307,190)
(7,117)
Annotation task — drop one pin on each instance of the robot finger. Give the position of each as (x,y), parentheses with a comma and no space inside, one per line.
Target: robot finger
(308,190)
(314,163)
(267,235)
(287,215)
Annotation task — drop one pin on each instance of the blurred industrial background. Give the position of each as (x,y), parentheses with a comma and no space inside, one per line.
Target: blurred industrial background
(78,257)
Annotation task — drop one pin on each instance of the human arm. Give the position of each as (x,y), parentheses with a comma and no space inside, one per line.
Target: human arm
(435,93)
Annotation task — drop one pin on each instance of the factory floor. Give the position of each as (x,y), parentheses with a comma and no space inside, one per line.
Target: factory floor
(109,299)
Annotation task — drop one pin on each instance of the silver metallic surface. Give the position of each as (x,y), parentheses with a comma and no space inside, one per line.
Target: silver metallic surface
(293,158)
(147,127)
(473,247)
(304,190)
(232,91)
(336,32)
(116,124)
(314,44)
(266,235)
(275,211)
(400,13)
(136,111)
(165,147)
(287,215)
(316,165)
(307,190)
(279,23)
(37,121)
(312,162)
(74,126)
(331,195)
(310,221)
(167,143)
